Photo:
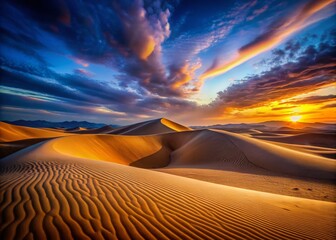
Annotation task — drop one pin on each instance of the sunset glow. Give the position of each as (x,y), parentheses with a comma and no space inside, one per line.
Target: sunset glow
(295,118)
(222,62)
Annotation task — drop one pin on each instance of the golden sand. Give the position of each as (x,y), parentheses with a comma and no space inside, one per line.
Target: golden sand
(84,186)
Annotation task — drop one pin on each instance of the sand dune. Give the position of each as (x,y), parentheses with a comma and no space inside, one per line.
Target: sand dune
(210,156)
(68,197)
(14,138)
(101,130)
(320,151)
(76,129)
(84,186)
(317,143)
(7,148)
(119,149)
(10,133)
(283,160)
(204,148)
(314,139)
(54,129)
(219,157)
(156,126)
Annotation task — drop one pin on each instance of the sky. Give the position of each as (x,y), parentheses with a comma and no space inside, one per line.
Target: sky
(195,62)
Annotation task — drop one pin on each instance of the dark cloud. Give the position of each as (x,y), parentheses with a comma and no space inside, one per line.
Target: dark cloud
(163,104)
(76,93)
(331,105)
(315,99)
(126,35)
(16,35)
(26,102)
(296,48)
(292,48)
(312,70)
(64,86)
(288,53)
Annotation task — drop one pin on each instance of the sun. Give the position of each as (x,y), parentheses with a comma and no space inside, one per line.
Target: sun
(295,118)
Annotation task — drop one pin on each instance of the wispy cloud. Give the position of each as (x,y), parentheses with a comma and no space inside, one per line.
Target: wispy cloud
(82,71)
(79,61)
(257,12)
(275,34)
(314,99)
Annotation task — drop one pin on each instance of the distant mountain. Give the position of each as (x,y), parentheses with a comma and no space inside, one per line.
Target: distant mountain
(273,125)
(242,125)
(64,125)
(289,129)
(299,125)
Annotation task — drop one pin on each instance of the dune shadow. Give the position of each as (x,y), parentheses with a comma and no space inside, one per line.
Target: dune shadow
(8,148)
(158,159)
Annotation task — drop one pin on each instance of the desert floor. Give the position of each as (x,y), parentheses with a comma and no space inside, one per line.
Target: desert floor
(161,180)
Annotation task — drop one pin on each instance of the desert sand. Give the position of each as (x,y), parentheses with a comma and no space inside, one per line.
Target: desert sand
(14,138)
(123,184)
(9,133)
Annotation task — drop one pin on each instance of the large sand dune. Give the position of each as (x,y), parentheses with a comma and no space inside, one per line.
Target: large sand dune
(156,126)
(10,133)
(213,149)
(101,130)
(84,186)
(314,139)
(76,129)
(14,138)
(147,150)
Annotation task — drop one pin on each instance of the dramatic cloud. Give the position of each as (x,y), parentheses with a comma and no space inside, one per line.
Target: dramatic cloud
(131,60)
(308,73)
(275,34)
(126,35)
(66,86)
(183,52)
(315,99)
(77,94)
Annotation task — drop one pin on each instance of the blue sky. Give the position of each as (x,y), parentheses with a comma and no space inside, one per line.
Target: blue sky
(127,61)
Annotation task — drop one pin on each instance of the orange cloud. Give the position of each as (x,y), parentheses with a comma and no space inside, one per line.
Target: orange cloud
(142,48)
(185,74)
(275,35)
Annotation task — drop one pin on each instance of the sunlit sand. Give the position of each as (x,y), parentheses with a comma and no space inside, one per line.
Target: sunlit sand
(161,180)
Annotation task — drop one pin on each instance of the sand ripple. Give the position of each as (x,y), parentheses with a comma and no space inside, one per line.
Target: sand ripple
(80,199)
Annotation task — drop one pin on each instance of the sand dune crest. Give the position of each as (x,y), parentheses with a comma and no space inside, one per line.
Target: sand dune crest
(10,133)
(156,126)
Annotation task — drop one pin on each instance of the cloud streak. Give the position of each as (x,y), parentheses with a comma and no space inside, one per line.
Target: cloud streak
(275,34)
(315,99)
